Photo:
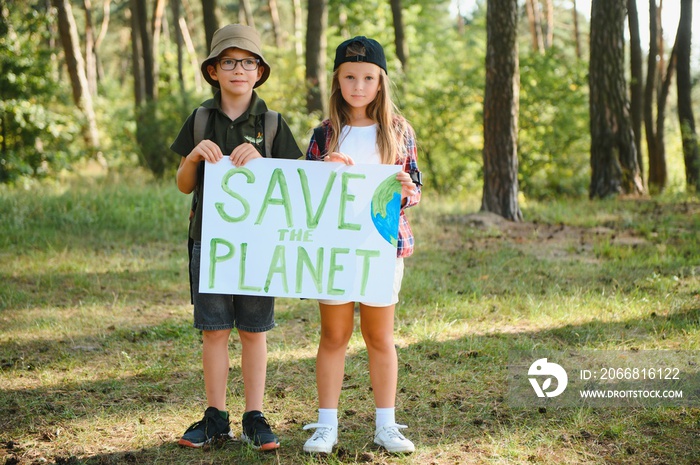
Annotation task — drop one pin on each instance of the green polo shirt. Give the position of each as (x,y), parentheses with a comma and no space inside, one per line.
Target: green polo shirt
(228,134)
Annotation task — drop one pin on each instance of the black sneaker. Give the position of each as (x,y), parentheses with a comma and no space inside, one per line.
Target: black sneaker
(210,428)
(257,432)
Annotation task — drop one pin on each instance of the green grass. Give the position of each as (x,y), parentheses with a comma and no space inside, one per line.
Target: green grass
(99,363)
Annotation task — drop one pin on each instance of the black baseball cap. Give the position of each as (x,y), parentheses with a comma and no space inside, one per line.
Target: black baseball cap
(374,53)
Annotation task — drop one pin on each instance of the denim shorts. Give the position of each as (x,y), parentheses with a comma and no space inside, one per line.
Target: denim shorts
(251,313)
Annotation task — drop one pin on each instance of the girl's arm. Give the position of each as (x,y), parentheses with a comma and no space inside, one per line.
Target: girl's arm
(313,152)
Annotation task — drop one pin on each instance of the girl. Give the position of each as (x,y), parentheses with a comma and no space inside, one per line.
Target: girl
(364,127)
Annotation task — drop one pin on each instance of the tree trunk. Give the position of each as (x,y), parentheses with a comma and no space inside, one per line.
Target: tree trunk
(156,28)
(614,167)
(460,20)
(500,194)
(654,177)
(146,50)
(533,18)
(549,33)
(343,22)
(298,25)
(90,62)
(316,56)
(136,56)
(179,43)
(577,35)
(661,172)
(399,35)
(660,40)
(187,38)
(247,11)
(76,70)
(101,36)
(636,85)
(276,27)
(655,145)
(691,154)
(211,22)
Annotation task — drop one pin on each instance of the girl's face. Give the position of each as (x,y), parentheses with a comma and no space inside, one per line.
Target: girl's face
(236,81)
(359,83)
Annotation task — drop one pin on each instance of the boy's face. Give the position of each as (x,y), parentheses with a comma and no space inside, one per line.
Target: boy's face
(237,81)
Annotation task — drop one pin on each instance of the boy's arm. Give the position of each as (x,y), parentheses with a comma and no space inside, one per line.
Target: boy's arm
(206,150)
(186,176)
(183,144)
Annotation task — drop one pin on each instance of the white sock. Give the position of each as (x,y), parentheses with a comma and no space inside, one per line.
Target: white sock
(385,416)
(328,416)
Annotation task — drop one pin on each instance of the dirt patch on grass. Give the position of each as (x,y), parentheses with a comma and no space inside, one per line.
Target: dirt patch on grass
(549,241)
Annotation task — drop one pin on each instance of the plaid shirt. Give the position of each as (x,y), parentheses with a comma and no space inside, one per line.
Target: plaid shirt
(410,164)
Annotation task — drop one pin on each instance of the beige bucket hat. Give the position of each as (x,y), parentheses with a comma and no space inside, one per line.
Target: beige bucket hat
(235,36)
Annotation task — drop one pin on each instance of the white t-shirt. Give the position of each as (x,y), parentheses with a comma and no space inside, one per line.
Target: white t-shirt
(360,143)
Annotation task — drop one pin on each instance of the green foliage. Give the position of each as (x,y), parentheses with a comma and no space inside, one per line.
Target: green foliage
(159,121)
(285,92)
(36,129)
(440,92)
(156,127)
(442,97)
(554,139)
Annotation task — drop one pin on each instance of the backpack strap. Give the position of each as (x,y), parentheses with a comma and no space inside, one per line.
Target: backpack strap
(320,138)
(201,117)
(270,125)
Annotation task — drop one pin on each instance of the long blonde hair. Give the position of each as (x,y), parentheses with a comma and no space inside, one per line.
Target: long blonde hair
(391,126)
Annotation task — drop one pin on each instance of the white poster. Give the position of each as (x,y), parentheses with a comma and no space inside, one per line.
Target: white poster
(295,228)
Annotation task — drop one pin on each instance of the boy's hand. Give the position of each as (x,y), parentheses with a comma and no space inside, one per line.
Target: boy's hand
(243,154)
(339,157)
(206,150)
(408,188)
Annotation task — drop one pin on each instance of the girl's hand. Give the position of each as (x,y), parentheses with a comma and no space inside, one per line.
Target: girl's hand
(206,150)
(408,188)
(243,154)
(339,157)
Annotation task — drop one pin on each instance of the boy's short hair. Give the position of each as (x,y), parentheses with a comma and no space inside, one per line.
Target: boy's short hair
(235,36)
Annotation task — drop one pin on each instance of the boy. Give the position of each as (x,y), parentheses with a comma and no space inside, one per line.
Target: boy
(235,123)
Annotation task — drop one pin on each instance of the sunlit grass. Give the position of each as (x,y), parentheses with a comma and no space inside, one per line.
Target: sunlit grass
(99,360)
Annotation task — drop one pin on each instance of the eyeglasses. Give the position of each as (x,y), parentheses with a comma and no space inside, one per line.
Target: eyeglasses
(248,64)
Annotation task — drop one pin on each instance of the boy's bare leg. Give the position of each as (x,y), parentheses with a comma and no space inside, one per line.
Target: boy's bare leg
(253,368)
(216,364)
(336,329)
(377,325)
(256,429)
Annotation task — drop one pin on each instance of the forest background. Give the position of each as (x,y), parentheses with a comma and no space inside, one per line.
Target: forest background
(126,115)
